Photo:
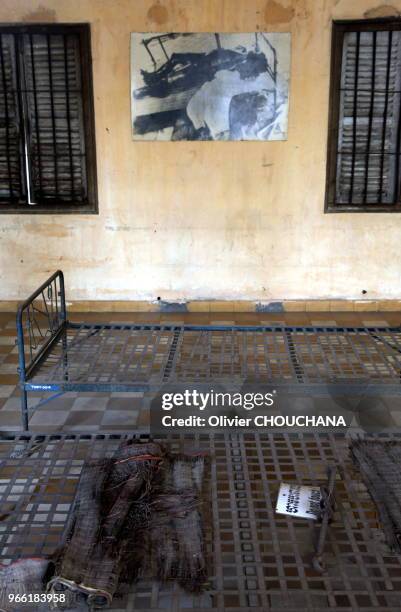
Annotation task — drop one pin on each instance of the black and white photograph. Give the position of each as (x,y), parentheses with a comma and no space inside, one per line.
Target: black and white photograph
(210,86)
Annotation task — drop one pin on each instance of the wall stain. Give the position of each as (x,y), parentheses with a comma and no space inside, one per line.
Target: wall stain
(9,228)
(118,228)
(302,10)
(158,14)
(277,13)
(41,15)
(384,10)
(51,231)
(270,307)
(183,18)
(172,306)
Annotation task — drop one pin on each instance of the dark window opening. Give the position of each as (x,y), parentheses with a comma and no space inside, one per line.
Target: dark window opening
(47,145)
(364,126)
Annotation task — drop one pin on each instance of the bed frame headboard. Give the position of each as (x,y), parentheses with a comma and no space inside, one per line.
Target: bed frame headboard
(40,321)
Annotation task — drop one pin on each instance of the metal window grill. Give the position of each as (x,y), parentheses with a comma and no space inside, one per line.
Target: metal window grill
(368,154)
(257,560)
(42,140)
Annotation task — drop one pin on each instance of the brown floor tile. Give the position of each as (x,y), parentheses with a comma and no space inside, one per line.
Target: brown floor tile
(378,322)
(324,322)
(144,418)
(394,318)
(247,319)
(8,379)
(225,321)
(291,318)
(197,318)
(242,318)
(11,359)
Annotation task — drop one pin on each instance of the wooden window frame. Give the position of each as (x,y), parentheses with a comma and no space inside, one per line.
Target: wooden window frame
(339,28)
(90,206)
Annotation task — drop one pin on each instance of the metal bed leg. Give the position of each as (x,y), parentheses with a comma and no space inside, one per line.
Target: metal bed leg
(65,354)
(24,410)
(327,510)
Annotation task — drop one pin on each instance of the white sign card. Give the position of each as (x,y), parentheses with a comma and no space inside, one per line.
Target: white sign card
(299,501)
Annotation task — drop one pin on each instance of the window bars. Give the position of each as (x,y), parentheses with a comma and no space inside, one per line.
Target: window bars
(364,131)
(46,131)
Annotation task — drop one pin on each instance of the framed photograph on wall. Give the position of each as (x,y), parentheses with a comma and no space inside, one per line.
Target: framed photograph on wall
(210,86)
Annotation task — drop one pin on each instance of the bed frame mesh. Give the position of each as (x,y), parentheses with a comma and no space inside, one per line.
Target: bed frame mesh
(257,560)
(129,354)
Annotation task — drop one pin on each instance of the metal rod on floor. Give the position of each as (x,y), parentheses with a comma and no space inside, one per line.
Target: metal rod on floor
(327,505)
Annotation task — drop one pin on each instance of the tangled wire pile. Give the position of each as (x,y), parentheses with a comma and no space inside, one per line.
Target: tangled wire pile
(380,465)
(135,514)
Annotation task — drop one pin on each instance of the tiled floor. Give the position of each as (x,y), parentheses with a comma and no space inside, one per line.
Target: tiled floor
(128,411)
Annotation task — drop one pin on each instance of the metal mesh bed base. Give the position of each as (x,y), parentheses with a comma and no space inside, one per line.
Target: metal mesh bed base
(124,357)
(257,560)
(57,356)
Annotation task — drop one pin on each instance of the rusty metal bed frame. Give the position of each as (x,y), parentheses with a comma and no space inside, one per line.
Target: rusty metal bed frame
(57,355)
(257,560)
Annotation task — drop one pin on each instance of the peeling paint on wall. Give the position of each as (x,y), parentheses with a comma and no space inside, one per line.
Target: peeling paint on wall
(270,307)
(277,13)
(172,306)
(40,15)
(158,14)
(51,230)
(384,10)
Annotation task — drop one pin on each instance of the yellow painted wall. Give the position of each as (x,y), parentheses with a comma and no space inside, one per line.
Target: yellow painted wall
(208,219)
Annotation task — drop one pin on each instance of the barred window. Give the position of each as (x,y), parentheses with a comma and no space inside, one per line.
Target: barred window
(364,127)
(47,147)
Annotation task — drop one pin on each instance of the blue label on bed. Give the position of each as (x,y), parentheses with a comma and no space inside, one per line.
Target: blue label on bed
(35,387)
